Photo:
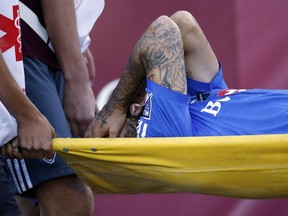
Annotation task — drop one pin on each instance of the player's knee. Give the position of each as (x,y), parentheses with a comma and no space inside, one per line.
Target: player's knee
(185,21)
(165,21)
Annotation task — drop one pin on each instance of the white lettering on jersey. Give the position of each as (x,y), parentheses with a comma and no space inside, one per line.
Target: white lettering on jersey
(215,107)
(212,108)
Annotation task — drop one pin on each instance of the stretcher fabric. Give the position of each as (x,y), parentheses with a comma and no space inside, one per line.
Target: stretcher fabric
(251,167)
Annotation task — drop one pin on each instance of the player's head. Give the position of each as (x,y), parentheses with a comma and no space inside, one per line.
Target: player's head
(134,113)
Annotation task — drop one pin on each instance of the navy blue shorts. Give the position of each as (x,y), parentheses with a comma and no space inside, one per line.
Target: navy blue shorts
(45,88)
(8,205)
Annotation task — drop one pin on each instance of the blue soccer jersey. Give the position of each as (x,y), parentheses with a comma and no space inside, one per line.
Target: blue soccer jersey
(166,112)
(240,112)
(210,109)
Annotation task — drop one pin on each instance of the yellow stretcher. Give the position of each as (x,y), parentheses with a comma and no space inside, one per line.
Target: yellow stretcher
(251,167)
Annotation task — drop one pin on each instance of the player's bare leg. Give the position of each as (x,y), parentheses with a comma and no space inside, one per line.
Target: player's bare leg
(200,61)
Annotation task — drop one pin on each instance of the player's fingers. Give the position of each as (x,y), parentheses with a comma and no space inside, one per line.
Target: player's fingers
(92,130)
(87,133)
(113,133)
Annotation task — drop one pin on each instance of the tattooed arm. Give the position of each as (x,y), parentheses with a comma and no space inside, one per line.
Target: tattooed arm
(158,55)
(110,120)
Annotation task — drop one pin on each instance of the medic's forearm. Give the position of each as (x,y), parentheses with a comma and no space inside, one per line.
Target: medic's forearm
(128,86)
(60,20)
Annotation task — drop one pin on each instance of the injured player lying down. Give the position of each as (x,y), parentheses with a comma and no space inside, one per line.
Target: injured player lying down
(185,93)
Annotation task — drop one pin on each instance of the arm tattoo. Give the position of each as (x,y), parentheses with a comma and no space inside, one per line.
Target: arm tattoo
(125,91)
(158,55)
(163,55)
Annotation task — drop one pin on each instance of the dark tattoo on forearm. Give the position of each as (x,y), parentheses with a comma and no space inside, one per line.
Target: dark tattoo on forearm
(158,55)
(162,55)
(125,91)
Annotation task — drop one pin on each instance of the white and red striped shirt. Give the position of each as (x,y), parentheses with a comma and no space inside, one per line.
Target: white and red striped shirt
(10,45)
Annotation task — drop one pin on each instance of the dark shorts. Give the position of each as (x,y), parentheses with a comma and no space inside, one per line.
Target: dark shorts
(8,205)
(45,88)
